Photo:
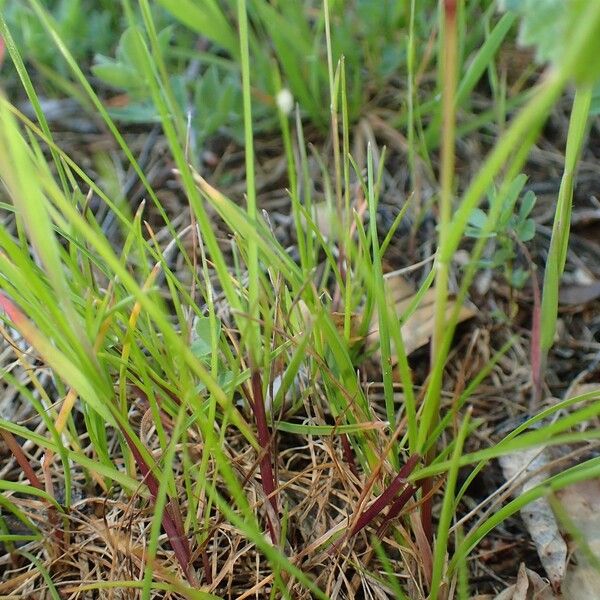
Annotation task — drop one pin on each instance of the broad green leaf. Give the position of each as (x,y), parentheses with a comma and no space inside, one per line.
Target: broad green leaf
(207,18)
(126,50)
(509,200)
(202,345)
(527,204)
(135,112)
(477,218)
(551,25)
(115,74)
(543,25)
(526,230)
(518,278)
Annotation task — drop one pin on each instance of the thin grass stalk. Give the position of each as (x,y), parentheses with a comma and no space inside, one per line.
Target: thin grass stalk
(211,415)
(392,330)
(462,570)
(44,572)
(125,355)
(514,167)
(152,34)
(411,97)
(522,442)
(348,242)
(390,570)
(477,67)
(252,329)
(305,184)
(535,353)
(449,78)
(27,490)
(170,523)
(284,125)
(410,403)
(380,297)
(393,230)
(343,219)
(446,175)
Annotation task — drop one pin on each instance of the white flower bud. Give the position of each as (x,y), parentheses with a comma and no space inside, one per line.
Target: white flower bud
(285,101)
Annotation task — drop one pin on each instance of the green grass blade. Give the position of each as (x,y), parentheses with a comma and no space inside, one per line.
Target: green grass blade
(557,254)
(447,513)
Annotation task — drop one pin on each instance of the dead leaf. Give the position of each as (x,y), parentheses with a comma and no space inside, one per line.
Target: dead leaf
(423,545)
(529,586)
(581,503)
(514,60)
(418,327)
(323,218)
(524,468)
(338,319)
(118,101)
(577,388)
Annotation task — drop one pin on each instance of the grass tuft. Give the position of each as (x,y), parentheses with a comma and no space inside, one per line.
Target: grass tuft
(194,400)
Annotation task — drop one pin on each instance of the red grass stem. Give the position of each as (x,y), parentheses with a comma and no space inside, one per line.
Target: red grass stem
(264,439)
(386,496)
(21,458)
(171,518)
(395,509)
(349,455)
